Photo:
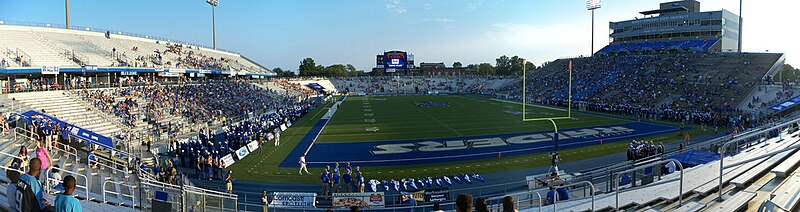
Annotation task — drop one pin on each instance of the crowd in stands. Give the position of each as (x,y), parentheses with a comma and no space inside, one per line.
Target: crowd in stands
(106,101)
(676,87)
(188,58)
(417,84)
(297,87)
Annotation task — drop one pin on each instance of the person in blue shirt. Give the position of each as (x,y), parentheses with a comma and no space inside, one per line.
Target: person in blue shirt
(65,202)
(348,182)
(335,188)
(36,187)
(563,194)
(91,158)
(325,182)
(551,195)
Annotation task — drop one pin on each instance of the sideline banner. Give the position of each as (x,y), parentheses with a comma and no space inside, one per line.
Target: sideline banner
(293,200)
(242,152)
(228,159)
(427,195)
(252,146)
(362,200)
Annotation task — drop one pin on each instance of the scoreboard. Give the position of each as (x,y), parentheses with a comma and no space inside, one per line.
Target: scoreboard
(395,59)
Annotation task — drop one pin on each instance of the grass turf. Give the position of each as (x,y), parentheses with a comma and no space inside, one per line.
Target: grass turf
(399,118)
(263,164)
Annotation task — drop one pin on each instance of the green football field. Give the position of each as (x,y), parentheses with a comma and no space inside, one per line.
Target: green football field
(401,118)
(366,118)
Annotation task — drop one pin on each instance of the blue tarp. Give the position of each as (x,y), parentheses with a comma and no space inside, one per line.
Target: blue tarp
(786,104)
(316,86)
(77,132)
(696,157)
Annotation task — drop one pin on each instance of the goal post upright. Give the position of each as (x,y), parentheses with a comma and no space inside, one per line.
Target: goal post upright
(551,119)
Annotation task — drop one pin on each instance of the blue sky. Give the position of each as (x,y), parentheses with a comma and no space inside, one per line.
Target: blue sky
(282,33)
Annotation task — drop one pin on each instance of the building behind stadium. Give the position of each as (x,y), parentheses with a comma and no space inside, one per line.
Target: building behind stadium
(676,26)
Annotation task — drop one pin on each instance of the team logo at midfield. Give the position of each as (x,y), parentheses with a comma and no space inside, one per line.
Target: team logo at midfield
(438,146)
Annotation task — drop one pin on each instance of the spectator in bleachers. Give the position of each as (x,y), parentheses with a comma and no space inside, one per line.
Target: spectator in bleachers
(22,158)
(437,207)
(91,158)
(43,155)
(11,189)
(551,195)
(563,193)
(480,205)
(66,202)
(508,204)
(32,196)
(464,203)
(54,179)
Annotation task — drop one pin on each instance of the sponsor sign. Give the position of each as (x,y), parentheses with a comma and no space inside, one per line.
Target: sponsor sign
(242,152)
(228,159)
(204,71)
(252,146)
(293,200)
(362,200)
(91,68)
(438,146)
(169,74)
(437,195)
(283,127)
(50,70)
(427,195)
(128,73)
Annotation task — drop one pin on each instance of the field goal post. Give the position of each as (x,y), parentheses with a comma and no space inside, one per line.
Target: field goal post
(551,119)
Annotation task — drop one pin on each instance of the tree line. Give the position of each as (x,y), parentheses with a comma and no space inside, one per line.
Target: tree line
(503,65)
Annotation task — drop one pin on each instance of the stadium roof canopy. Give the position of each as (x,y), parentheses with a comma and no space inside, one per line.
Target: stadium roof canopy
(668,10)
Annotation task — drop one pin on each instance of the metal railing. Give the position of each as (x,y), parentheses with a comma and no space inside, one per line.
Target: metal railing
(738,139)
(651,165)
(68,150)
(131,188)
(592,193)
(86,187)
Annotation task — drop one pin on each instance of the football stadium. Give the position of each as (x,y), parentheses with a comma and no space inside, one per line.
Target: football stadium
(671,114)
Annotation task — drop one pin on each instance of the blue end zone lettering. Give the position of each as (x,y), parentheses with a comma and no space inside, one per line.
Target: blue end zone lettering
(410,152)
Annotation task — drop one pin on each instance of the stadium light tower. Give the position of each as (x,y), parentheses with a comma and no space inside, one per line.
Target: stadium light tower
(66,7)
(213,4)
(592,5)
(740,27)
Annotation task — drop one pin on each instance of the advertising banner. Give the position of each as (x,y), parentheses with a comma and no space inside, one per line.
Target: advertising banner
(427,196)
(252,146)
(293,200)
(242,152)
(228,159)
(362,200)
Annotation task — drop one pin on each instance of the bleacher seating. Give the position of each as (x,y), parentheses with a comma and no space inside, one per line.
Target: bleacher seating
(67,108)
(660,46)
(698,190)
(73,48)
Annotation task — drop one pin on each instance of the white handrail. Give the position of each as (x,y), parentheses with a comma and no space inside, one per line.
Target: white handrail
(85,179)
(66,149)
(132,188)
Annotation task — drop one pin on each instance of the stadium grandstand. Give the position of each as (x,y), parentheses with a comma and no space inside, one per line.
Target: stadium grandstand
(671,115)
